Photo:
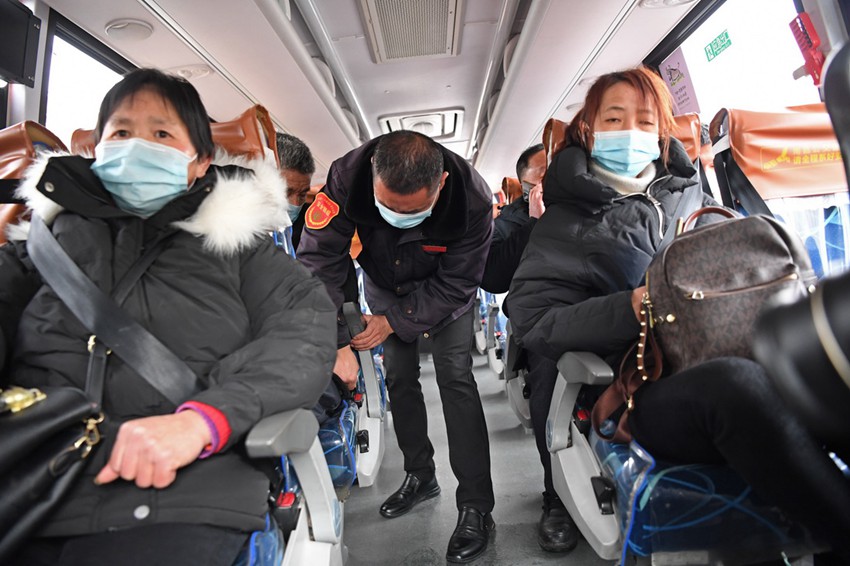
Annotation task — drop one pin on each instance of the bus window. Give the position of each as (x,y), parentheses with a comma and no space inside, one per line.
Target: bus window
(743,56)
(76,86)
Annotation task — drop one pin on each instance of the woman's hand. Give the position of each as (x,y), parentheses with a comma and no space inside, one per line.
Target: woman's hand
(637,297)
(377,330)
(151,450)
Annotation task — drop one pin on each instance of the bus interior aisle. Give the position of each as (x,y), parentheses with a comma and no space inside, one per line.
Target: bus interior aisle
(419,537)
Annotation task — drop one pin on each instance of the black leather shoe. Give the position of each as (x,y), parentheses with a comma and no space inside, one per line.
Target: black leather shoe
(411,492)
(469,541)
(556,531)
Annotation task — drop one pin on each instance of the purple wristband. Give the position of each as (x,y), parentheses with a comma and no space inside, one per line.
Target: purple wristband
(213,446)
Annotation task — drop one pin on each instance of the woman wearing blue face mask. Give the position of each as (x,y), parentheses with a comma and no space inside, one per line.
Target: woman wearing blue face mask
(610,196)
(169,483)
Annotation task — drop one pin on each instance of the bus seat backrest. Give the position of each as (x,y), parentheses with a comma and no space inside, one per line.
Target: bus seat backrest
(19,145)
(782,154)
(687,129)
(83,142)
(250,134)
(554,133)
(512,189)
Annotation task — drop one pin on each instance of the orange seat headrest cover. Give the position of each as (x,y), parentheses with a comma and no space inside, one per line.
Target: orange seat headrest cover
(512,189)
(249,134)
(553,137)
(784,154)
(83,142)
(18,148)
(687,128)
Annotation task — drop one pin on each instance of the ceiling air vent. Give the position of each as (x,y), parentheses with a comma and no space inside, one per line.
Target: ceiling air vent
(440,125)
(404,29)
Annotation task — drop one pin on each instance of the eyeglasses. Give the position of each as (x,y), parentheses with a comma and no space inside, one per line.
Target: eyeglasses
(526,186)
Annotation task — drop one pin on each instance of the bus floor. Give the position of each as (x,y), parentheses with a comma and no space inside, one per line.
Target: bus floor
(420,537)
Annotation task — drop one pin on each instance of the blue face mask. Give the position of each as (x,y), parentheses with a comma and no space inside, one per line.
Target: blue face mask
(142,176)
(401,220)
(625,152)
(294,211)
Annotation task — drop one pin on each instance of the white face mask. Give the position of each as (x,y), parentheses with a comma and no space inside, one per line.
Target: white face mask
(402,220)
(625,152)
(142,176)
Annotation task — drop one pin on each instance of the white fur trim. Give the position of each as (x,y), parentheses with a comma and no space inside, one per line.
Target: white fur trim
(240,208)
(28,190)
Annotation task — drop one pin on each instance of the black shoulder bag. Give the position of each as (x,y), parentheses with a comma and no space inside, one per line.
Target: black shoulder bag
(46,435)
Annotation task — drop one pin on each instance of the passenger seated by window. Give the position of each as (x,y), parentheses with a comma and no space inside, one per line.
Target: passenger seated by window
(297,167)
(610,194)
(169,484)
(556,531)
(513,225)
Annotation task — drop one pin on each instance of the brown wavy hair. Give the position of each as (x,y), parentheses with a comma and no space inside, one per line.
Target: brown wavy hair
(647,83)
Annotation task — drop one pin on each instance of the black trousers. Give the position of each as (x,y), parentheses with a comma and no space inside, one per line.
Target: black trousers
(469,447)
(541,377)
(159,544)
(727,410)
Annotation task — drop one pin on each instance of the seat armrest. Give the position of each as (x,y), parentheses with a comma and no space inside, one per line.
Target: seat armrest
(585,367)
(282,433)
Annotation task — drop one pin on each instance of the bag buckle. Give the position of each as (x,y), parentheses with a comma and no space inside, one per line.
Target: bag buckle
(91,436)
(16,399)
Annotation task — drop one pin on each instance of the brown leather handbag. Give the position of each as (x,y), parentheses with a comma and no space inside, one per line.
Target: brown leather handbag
(704,294)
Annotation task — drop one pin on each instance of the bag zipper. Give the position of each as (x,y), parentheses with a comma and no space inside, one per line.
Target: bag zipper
(699,295)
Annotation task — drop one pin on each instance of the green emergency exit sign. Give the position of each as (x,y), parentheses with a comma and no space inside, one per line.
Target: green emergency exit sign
(718,45)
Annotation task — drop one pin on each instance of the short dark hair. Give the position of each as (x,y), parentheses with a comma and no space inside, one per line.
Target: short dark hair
(522,162)
(406,161)
(176,90)
(294,154)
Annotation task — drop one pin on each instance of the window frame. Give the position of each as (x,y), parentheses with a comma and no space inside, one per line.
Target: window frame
(683,30)
(60,26)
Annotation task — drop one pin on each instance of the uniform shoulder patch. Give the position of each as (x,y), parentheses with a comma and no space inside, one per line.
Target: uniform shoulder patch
(321,212)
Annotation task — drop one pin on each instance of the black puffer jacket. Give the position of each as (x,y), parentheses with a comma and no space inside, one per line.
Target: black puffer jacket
(572,290)
(252,323)
(511,230)
(421,278)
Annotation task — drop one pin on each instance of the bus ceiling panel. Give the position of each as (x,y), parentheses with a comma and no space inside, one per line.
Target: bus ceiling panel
(248,61)
(563,42)
(409,79)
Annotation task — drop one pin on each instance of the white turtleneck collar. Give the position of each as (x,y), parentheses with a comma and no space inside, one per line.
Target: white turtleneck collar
(624,185)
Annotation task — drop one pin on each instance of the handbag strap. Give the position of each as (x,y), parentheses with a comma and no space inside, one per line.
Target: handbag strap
(108,323)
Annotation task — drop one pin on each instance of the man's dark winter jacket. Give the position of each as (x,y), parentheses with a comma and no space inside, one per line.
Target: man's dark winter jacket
(252,323)
(421,278)
(572,290)
(511,230)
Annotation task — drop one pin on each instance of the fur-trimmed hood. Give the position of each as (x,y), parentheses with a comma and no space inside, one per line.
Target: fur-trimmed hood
(244,204)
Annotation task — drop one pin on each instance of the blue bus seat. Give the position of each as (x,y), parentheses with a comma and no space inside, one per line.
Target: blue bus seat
(787,165)
(623,501)
(317,537)
(371,422)
(493,330)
